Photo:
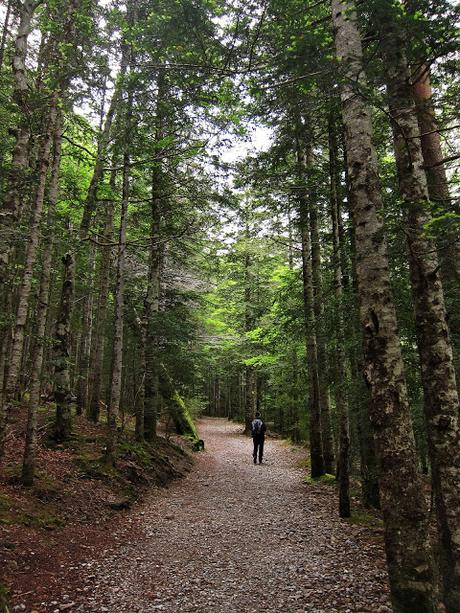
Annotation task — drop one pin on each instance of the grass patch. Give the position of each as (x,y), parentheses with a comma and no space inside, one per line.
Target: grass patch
(4,591)
(28,515)
(362,517)
(95,468)
(136,451)
(327,479)
(41,519)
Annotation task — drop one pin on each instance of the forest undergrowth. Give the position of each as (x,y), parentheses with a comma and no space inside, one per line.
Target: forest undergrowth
(76,495)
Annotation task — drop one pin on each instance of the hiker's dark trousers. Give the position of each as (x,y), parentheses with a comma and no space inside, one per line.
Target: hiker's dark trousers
(258,446)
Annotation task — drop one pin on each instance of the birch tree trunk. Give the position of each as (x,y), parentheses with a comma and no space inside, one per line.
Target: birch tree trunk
(441,401)
(403,504)
(369,470)
(17,343)
(41,315)
(11,204)
(9,214)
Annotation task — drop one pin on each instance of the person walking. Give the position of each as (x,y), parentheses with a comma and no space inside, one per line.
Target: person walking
(258,429)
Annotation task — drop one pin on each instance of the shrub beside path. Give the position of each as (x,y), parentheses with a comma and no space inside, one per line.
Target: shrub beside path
(233,537)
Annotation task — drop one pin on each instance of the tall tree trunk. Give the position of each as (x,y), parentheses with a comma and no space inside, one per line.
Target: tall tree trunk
(86,333)
(6,25)
(324,397)
(117,356)
(18,167)
(152,299)
(250,403)
(41,315)
(441,401)
(61,355)
(370,490)
(250,397)
(17,344)
(10,211)
(341,397)
(97,352)
(151,310)
(316,445)
(87,272)
(438,190)
(101,154)
(403,504)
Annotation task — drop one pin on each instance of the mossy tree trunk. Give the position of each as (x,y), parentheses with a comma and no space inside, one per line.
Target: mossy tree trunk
(177,409)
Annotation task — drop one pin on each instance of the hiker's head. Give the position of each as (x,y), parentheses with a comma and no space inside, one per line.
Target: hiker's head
(258,414)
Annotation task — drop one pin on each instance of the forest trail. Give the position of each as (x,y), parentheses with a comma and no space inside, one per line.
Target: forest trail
(233,537)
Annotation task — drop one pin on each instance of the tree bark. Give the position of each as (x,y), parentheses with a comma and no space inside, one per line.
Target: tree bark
(86,333)
(101,155)
(438,190)
(11,204)
(117,364)
(152,299)
(250,397)
(41,315)
(323,391)
(441,401)
(17,344)
(151,310)
(18,171)
(403,504)
(341,397)
(97,352)
(316,445)
(61,355)
(117,356)
(6,24)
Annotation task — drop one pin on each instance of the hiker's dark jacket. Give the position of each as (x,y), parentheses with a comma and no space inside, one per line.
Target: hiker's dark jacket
(261,433)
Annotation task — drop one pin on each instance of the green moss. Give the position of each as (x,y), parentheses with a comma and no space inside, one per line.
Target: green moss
(4,591)
(41,519)
(13,470)
(137,451)
(327,479)
(304,463)
(364,518)
(96,468)
(5,503)
(185,417)
(32,515)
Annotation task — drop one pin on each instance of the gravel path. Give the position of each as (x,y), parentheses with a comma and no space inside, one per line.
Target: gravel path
(237,538)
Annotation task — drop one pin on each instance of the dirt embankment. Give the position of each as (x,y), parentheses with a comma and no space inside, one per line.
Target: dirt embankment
(75,503)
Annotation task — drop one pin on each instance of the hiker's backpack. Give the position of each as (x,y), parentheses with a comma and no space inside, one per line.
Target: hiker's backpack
(257,426)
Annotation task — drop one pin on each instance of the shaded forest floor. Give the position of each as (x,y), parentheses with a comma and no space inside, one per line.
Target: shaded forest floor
(231,537)
(74,505)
